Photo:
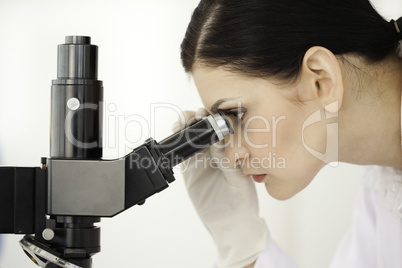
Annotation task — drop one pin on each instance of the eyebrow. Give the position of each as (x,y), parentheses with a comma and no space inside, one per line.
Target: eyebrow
(214,107)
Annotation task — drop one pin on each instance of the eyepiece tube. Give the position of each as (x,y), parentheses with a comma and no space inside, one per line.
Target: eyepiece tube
(193,139)
(77,97)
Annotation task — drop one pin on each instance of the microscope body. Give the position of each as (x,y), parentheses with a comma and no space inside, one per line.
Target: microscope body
(61,201)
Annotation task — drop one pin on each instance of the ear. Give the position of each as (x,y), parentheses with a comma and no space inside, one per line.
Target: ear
(321,78)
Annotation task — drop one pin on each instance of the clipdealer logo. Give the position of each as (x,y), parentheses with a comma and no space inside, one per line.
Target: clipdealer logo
(330,156)
(121,132)
(114,122)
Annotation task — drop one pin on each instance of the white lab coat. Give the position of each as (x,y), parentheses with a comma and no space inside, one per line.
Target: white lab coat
(375,237)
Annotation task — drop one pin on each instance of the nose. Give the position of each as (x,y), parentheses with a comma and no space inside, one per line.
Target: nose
(235,150)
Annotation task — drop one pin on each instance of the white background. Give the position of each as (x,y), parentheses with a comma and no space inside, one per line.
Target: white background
(139,62)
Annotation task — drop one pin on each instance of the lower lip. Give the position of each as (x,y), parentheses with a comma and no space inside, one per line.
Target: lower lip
(259,178)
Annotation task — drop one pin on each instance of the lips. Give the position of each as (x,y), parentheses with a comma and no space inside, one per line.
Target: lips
(259,178)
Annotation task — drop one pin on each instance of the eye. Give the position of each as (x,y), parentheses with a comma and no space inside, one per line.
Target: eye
(235,114)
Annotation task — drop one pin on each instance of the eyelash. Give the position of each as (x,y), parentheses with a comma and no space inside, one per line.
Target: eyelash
(237,114)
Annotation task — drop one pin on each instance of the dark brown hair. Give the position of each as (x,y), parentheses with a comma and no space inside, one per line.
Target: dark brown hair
(268,38)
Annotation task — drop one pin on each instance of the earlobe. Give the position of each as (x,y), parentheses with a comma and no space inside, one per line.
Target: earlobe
(332,108)
(323,78)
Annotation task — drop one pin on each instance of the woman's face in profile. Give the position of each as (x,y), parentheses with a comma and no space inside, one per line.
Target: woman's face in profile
(279,140)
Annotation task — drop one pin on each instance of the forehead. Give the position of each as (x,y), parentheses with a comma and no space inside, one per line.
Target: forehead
(215,84)
(218,83)
(207,78)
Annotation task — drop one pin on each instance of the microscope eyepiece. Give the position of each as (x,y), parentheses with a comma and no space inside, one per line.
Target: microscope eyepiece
(77,59)
(194,138)
(78,40)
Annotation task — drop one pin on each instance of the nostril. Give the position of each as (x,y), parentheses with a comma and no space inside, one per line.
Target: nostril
(240,162)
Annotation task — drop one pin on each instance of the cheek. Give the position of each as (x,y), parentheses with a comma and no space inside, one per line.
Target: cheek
(285,183)
(278,134)
(290,167)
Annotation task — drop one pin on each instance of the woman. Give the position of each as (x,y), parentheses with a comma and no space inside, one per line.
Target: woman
(308,82)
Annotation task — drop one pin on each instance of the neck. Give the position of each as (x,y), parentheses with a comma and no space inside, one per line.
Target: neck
(370,118)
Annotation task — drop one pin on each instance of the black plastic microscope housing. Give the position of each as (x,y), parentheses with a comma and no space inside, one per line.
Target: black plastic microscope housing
(60,202)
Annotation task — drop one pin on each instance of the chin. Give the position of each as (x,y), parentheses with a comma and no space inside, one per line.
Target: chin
(280,195)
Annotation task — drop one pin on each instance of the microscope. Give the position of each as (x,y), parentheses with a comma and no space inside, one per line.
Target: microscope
(57,205)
